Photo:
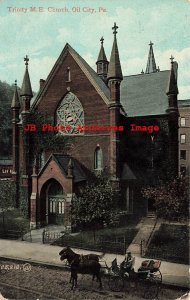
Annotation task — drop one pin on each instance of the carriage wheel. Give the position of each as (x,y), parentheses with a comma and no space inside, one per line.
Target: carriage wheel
(153,285)
(151,290)
(116,283)
(157,276)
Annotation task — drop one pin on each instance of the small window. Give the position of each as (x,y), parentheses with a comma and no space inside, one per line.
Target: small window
(61,207)
(68,74)
(183,170)
(183,138)
(183,154)
(98,159)
(183,122)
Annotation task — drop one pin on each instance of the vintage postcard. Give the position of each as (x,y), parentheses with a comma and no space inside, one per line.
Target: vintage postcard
(95,149)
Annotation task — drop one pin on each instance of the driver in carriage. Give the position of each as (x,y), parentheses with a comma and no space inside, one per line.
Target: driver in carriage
(128,264)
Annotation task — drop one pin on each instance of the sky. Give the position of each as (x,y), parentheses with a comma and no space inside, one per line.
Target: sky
(43,33)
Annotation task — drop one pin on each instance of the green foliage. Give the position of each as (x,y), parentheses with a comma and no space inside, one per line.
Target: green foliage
(23,202)
(7,194)
(164,241)
(97,206)
(13,224)
(171,198)
(6,94)
(45,140)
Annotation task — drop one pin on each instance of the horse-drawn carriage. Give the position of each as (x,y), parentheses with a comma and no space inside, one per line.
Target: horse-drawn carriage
(148,277)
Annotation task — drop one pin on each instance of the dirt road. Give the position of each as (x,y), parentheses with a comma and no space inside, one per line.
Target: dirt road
(25,281)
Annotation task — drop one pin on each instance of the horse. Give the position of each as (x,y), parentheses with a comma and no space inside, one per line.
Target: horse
(84,264)
(71,254)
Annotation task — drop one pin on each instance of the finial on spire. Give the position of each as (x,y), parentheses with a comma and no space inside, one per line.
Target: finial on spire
(172,59)
(115,27)
(26,59)
(15,82)
(102,40)
(151,64)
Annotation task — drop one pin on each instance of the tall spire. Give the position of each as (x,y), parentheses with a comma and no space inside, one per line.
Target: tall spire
(102,55)
(151,64)
(15,101)
(26,89)
(172,82)
(114,68)
(102,62)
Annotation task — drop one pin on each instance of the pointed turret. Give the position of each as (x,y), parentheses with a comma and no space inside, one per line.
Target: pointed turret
(102,62)
(151,64)
(114,78)
(15,107)
(15,101)
(172,82)
(173,115)
(26,89)
(114,69)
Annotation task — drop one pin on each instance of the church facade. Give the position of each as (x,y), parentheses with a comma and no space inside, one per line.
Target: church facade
(123,126)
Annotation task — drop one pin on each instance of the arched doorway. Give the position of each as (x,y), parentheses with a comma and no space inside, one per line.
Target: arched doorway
(54,203)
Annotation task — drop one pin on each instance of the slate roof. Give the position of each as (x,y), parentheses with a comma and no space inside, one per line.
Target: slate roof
(63,161)
(145,94)
(184,103)
(127,173)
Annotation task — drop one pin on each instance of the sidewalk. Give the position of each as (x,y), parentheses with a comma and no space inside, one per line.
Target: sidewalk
(173,274)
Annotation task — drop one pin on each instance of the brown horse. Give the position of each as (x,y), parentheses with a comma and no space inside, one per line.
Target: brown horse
(84,264)
(71,254)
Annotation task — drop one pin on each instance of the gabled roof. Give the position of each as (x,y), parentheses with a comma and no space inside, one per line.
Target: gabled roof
(93,77)
(127,173)
(63,162)
(145,94)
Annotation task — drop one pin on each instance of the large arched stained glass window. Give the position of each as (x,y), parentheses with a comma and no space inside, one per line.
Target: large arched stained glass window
(70,114)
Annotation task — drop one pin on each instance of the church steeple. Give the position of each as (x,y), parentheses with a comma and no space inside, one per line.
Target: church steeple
(114,69)
(26,89)
(172,82)
(15,101)
(151,64)
(102,62)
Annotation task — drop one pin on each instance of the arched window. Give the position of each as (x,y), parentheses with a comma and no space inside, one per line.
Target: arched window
(98,159)
(70,115)
(41,158)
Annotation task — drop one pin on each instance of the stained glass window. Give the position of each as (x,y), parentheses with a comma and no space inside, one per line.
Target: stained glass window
(70,115)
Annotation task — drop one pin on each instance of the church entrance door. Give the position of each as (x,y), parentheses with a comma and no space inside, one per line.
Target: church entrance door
(56,210)
(55,203)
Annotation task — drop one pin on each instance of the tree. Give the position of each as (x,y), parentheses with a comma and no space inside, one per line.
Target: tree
(45,140)
(97,206)
(7,196)
(171,198)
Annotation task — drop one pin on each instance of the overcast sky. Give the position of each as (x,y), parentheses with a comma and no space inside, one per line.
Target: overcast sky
(42,35)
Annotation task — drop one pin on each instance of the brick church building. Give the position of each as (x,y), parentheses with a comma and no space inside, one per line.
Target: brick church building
(124,126)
